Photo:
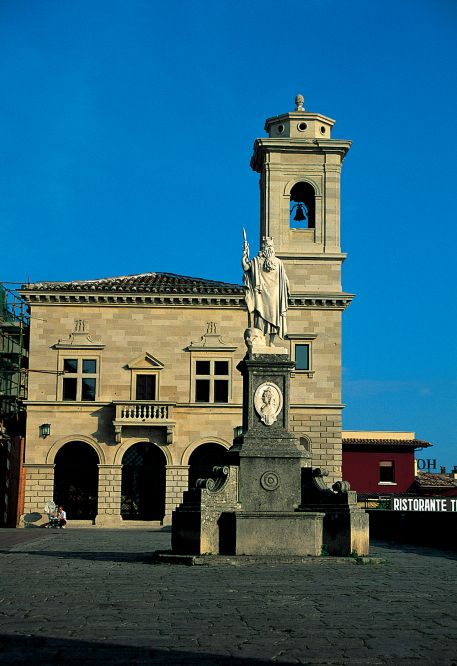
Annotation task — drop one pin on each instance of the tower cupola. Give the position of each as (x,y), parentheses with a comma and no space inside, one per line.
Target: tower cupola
(299,124)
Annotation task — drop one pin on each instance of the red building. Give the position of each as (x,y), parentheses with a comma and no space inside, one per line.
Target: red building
(380,463)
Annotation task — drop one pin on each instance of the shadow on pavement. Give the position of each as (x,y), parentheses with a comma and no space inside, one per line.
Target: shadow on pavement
(95,556)
(379,548)
(417,549)
(43,651)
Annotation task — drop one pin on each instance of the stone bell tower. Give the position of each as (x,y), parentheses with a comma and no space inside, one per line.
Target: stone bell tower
(300,166)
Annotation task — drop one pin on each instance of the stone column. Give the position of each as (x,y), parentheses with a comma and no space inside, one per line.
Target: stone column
(109,496)
(39,489)
(177,479)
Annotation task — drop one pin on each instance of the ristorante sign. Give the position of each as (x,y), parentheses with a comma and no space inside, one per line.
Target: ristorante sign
(438,504)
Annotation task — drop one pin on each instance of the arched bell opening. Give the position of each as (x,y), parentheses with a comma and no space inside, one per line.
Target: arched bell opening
(203,459)
(143,483)
(76,480)
(302,211)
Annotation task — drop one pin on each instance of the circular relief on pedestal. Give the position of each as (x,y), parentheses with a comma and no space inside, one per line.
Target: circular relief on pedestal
(269,480)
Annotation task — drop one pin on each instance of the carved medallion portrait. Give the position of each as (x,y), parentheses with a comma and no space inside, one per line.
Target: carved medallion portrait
(268,402)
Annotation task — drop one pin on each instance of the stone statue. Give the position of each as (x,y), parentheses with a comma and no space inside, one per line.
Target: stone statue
(267,290)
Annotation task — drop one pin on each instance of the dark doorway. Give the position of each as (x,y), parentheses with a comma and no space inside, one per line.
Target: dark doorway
(202,461)
(143,483)
(76,480)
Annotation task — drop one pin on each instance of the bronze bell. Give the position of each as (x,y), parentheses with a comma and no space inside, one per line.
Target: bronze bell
(300,210)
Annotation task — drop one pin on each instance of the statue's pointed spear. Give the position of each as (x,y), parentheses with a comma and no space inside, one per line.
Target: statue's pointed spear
(246,244)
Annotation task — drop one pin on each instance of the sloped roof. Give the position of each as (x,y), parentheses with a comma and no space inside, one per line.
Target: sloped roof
(431,480)
(381,442)
(142,283)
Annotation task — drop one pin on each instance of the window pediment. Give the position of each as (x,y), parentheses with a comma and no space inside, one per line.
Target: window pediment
(145,362)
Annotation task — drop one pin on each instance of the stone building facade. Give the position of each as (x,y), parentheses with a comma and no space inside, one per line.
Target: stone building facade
(136,377)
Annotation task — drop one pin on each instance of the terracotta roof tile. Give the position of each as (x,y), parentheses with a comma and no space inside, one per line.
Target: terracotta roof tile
(142,283)
(397,443)
(431,480)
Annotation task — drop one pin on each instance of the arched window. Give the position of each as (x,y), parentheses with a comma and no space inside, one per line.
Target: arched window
(302,207)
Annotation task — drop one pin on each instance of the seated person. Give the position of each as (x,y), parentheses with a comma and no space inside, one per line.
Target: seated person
(61,517)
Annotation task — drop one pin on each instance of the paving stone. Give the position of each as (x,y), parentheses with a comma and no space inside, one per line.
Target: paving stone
(94,597)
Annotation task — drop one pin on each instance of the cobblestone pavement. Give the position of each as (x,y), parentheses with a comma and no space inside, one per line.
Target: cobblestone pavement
(86,596)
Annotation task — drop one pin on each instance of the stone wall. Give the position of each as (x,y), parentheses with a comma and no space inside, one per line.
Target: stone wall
(39,490)
(322,429)
(175,337)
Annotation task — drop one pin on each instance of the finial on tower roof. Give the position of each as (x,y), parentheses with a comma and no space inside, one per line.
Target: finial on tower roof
(299,101)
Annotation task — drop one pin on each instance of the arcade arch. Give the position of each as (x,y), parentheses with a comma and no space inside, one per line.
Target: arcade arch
(143,482)
(76,479)
(202,460)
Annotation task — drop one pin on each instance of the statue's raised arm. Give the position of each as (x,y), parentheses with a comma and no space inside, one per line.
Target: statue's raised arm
(266,290)
(245,258)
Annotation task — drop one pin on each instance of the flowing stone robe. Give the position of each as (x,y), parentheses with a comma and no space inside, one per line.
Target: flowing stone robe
(267,295)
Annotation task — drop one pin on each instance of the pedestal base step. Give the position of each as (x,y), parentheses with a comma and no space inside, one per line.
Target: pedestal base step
(167,557)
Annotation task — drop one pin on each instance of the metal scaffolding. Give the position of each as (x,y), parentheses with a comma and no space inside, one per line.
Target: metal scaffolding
(14,332)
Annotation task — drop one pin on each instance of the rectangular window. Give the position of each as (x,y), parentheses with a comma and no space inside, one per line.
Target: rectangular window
(212,381)
(69,388)
(221,387)
(70,365)
(88,389)
(146,387)
(221,367)
(386,471)
(79,382)
(202,390)
(302,357)
(202,367)
(89,366)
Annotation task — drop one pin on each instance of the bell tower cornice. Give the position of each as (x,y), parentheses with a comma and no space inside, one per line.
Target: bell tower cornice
(264,146)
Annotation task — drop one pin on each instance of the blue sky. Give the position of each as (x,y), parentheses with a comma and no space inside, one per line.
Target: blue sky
(126,129)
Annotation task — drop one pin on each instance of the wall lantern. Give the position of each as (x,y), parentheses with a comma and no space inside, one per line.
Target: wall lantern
(45,429)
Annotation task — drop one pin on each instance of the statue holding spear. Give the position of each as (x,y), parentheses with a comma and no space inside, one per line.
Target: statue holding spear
(266,290)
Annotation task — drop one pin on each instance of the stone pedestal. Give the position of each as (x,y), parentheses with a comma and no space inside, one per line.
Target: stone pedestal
(252,507)
(268,500)
(203,523)
(278,533)
(346,526)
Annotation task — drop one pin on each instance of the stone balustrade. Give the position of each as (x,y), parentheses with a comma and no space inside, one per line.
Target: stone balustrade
(144,412)
(139,411)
